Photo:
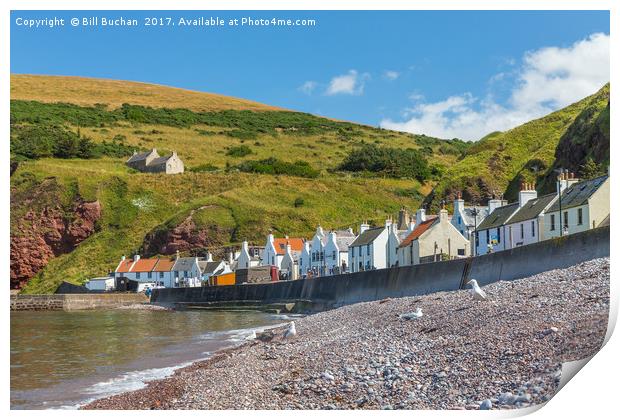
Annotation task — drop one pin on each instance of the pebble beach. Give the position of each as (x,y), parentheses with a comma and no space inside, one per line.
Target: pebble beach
(502,353)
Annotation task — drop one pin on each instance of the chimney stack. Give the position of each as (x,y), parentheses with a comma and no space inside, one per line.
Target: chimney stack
(364,227)
(527,193)
(420,216)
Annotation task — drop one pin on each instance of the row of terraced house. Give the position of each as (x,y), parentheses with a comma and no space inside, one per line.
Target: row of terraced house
(407,240)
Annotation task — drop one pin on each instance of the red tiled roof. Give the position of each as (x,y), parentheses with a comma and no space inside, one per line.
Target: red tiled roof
(280,244)
(164,264)
(144,265)
(418,231)
(124,266)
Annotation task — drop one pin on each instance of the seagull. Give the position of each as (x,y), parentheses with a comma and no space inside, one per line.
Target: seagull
(413,315)
(291,331)
(251,336)
(476,291)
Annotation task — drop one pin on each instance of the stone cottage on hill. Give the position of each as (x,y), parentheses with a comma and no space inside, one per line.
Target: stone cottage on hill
(151,162)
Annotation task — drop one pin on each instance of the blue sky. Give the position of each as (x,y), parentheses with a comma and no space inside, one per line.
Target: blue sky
(449,74)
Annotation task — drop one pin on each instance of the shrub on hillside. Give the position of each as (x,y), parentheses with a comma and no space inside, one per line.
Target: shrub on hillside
(239,151)
(397,163)
(41,141)
(206,167)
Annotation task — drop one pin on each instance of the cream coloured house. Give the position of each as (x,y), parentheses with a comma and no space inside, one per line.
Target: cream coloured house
(432,237)
(583,205)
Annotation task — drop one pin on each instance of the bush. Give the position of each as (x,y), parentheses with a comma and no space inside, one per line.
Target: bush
(239,151)
(299,201)
(275,166)
(387,161)
(41,141)
(206,167)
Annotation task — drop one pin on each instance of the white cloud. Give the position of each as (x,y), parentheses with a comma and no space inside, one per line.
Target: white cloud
(308,87)
(351,83)
(391,74)
(548,79)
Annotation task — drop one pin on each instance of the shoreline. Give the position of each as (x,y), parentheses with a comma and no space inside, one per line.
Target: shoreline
(502,353)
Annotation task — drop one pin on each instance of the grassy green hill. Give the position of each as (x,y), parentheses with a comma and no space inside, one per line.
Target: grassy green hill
(499,162)
(82,138)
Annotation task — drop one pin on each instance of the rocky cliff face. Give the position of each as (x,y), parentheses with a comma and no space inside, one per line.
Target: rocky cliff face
(45,230)
(191,234)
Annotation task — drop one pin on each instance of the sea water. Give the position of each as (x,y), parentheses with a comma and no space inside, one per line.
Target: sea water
(66,359)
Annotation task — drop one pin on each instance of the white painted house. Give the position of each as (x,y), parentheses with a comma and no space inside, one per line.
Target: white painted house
(525,226)
(582,205)
(275,248)
(317,253)
(369,250)
(337,251)
(290,264)
(490,233)
(304,259)
(467,218)
(245,259)
(186,272)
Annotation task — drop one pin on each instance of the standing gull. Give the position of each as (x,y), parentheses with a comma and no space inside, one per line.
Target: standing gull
(291,331)
(476,291)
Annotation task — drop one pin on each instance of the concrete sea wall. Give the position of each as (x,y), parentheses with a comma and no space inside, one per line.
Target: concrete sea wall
(74,302)
(333,291)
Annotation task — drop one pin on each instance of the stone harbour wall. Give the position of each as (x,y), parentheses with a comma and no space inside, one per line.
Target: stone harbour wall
(75,302)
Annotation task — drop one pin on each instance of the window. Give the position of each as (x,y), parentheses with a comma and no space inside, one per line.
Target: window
(521,230)
(459,219)
(368,249)
(552,227)
(460,251)
(580,216)
(533,229)
(161,274)
(301,262)
(566,219)
(333,255)
(499,235)
(185,274)
(176,274)
(477,239)
(359,251)
(137,275)
(150,275)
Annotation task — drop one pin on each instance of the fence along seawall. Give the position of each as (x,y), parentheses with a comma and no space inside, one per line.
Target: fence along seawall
(333,291)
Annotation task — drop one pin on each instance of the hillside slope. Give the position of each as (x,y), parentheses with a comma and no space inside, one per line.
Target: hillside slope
(498,163)
(81,150)
(88,92)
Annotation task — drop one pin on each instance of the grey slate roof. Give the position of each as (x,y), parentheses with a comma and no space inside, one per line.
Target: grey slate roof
(468,215)
(183,264)
(498,217)
(532,208)
(344,238)
(578,194)
(160,160)
(208,266)
(368,236)
(139,156)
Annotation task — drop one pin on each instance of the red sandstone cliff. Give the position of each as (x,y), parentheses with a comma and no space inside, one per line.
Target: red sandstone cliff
(40,235)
